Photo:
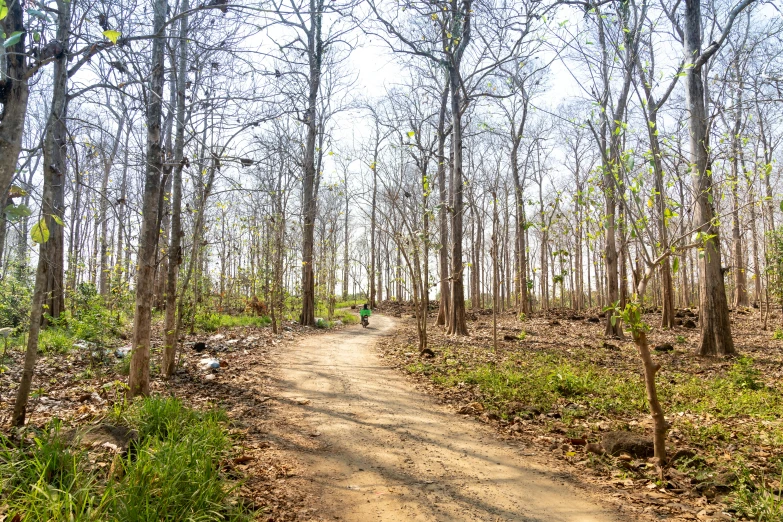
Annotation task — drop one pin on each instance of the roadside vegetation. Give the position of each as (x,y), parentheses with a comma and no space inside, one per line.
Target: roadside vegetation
(560,387)
(172,468)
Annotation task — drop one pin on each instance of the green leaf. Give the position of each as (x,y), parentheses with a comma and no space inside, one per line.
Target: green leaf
(40,232)
(411,134)
(17,211)
(13,39)
(36,37)
(3,9)
(676,264)
(57,220)
(781,205)
(112,35)
(36,13)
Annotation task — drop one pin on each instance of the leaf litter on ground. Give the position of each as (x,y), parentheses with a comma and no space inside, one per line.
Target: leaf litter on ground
(557,386)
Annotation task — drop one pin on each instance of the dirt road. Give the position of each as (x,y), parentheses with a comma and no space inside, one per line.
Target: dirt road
(385,451)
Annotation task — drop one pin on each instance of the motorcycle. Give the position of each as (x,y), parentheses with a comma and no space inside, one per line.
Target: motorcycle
(365,321)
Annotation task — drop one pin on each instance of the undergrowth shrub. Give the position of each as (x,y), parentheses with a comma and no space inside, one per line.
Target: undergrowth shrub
(15,298)
(49,481)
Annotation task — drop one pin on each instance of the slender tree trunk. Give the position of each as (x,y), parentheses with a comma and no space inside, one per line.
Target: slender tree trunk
(738,270)
(139,376)
(713,306)
(374,248)
(457,323)
(443,213)
(171,326)
(310,182)
(55,144)
(347,238)
(105,269)
(53,151)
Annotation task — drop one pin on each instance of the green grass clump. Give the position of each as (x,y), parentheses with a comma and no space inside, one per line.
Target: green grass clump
(55,339)
(541,382)
(346,317)
(47,482)
(323,323)
(212,322)
(756,500)
(173,472)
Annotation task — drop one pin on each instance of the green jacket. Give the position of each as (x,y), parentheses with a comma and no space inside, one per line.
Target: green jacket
(365,313)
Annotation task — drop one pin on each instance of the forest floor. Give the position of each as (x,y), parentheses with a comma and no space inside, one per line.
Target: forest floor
(558,389)
(83,392)
(354,424)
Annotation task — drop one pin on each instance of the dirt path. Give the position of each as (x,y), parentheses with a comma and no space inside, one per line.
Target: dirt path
(373,448)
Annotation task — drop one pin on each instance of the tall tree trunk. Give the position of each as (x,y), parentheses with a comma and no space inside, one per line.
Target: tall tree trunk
(457,323)
(347,233)
(519,187)
(105,269)
(374,248)
(713,306)
(139,377)
(443,213)
(14,94)
(55,144)
(310,182)
(171,326)
(54,153)
(738,270)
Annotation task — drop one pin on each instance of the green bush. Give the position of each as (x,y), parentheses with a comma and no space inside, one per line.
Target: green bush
(15,298)
(347,317)
(175,473)
(570,382)
(757,501)
(91,320)
(323,323)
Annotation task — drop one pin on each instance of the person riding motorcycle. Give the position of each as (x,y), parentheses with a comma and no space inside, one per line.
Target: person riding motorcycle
(365,314)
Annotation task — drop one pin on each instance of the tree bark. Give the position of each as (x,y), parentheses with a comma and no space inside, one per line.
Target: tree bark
(105,269)
(14,95)
(309,193)
(715,336)
(54,150)
(139,377)
(171,326)
(457,322)
(443,213)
